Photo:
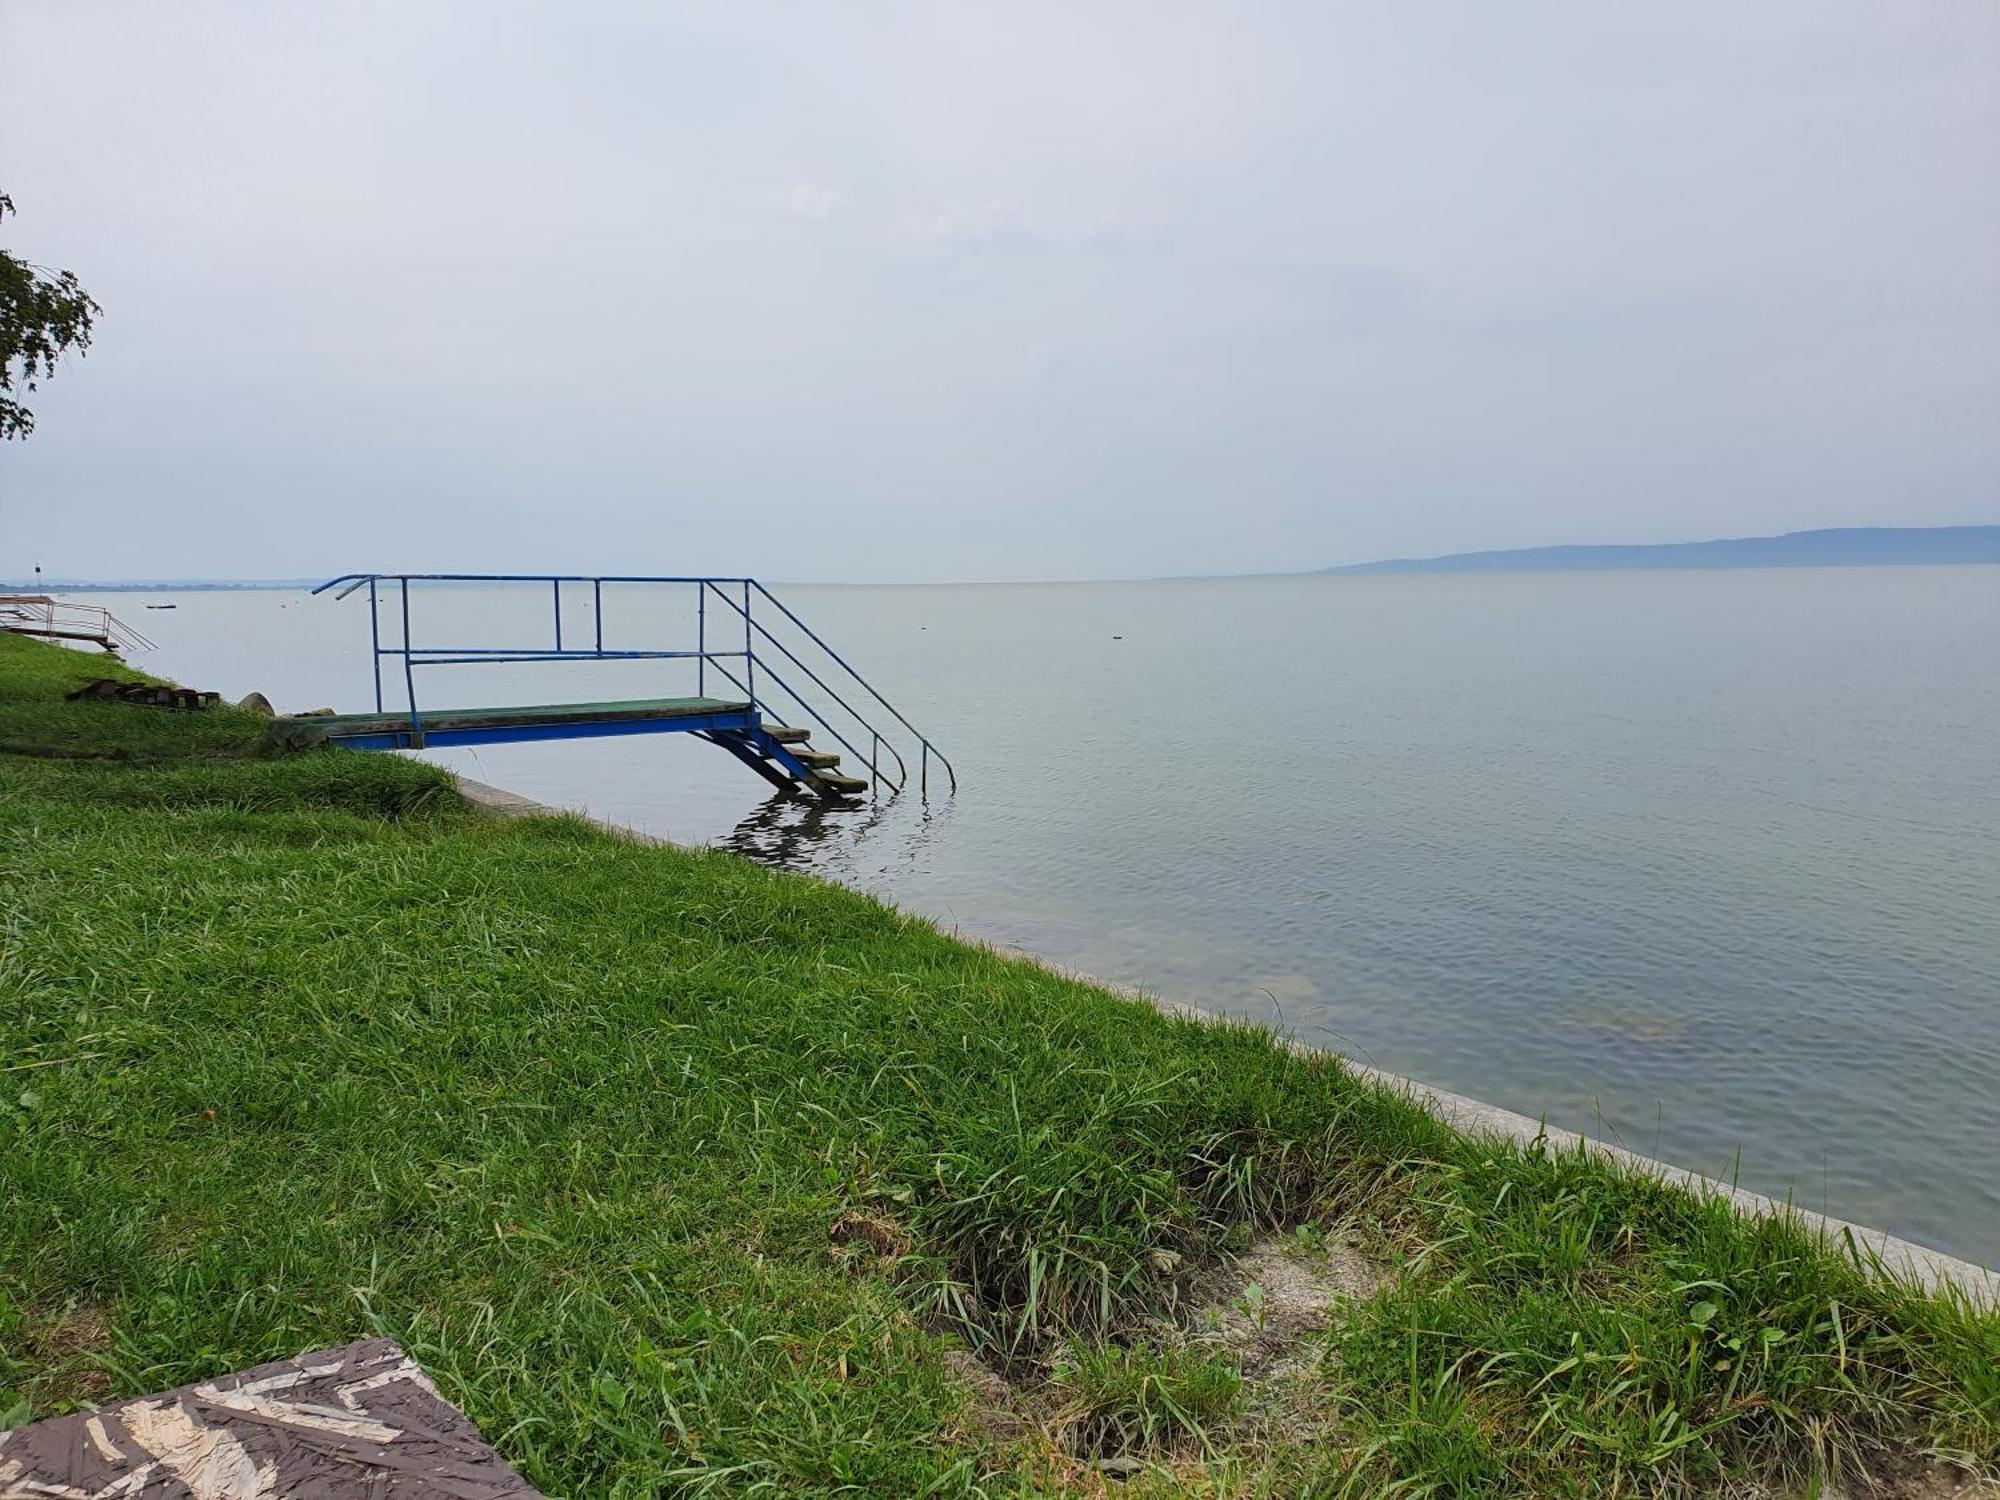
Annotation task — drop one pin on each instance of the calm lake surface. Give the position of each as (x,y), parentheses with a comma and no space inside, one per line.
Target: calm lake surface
(1707,863)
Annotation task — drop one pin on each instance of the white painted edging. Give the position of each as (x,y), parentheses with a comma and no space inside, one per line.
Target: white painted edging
(1903,1258)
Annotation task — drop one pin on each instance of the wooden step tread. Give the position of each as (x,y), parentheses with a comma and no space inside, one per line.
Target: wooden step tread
(785,734)
(844,783)
(820,759)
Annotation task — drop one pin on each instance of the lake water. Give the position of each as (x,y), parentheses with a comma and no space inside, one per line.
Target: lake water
(1707,863)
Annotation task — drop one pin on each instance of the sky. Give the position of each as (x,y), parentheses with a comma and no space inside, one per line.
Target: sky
(1008,291)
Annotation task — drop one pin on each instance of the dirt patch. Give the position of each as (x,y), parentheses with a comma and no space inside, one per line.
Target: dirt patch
(1891,1475)
(66,1349)
(996,1405)
(1912,1477)
(1920,1480)
(1260,1314)
(854,1232)
(1279,1293)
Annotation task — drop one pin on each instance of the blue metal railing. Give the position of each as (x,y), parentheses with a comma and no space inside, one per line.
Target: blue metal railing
(742,596)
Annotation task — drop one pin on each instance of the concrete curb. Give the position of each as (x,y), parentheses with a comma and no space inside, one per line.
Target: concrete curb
(1932,1269)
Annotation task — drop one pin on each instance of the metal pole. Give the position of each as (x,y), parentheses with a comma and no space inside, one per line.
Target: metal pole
(375,643)
(924,772)
(874,778)
(409,676)
(597,609)
(749,656)
(556,584)
(701,641)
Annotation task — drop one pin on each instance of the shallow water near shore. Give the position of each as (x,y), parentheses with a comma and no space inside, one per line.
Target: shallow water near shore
(1705,863)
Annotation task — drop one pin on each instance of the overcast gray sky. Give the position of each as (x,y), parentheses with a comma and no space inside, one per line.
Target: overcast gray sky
(1009,291)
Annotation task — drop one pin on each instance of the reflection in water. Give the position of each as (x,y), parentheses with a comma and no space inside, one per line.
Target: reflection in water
(789,831)
(804,833)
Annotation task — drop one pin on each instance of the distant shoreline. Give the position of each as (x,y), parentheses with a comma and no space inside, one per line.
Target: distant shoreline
(1832,547)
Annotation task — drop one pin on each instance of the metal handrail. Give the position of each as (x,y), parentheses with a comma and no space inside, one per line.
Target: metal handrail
(894,783)
(361,578)
(39,614)
(413,655)
(813,635)
(903,770)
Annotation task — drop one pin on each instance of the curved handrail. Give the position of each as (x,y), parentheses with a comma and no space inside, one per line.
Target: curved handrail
(361,578)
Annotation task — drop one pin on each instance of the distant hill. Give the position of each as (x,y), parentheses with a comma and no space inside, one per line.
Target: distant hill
(1838,547)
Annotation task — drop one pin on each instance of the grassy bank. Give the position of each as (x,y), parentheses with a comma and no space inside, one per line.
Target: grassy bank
(683,1175)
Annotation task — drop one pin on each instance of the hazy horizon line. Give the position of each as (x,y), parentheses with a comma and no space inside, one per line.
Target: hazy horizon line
(16,584)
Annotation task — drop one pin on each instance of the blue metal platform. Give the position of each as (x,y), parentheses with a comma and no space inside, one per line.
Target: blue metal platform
(746,726)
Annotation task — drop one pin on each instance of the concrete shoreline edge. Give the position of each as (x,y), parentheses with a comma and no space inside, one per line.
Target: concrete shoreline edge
(1932,1269)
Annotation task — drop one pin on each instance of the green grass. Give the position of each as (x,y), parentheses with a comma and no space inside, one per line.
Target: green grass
(1147,1397)
(37,720)
(299,1049)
